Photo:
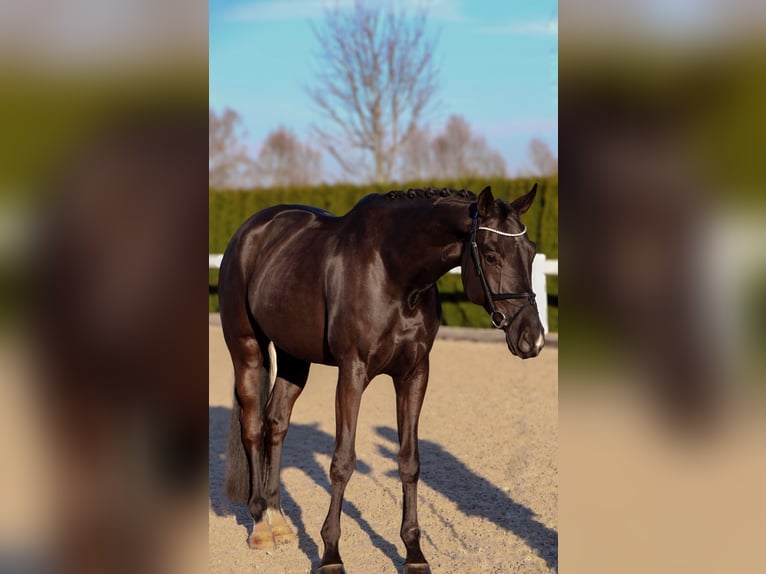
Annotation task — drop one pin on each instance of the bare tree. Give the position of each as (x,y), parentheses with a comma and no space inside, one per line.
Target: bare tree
(543,160)
(451,149)
(459,153)
(376,79)
(485,161)
(416,159)
(229,165)
(284,161)
(454,154)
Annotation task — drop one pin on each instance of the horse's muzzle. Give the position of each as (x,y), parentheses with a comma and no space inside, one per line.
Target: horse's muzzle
(527,346)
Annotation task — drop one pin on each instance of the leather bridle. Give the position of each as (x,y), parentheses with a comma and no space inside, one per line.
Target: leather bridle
(497,316)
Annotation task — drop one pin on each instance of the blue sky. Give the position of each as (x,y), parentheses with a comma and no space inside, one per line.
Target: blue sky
(497,61)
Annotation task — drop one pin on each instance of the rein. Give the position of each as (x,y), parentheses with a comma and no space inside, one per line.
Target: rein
(497,316)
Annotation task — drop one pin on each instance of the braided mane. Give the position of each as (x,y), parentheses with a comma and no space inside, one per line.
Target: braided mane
(430,193)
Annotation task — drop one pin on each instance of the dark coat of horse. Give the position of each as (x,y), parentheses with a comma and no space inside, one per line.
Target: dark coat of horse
(358,292)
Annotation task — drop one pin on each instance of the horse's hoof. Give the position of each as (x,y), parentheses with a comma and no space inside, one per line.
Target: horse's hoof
(281,530)
(283,534)
(330,569)
(417,569)
(261,541)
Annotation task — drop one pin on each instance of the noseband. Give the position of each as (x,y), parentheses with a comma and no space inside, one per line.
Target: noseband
(498,317)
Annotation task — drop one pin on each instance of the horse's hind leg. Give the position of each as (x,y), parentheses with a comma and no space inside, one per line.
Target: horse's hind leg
(251,384)
(291,379)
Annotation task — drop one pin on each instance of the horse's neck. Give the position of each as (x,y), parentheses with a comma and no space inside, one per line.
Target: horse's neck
(426,243)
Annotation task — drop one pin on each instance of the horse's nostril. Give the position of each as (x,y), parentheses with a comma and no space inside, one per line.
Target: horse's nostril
(525,345)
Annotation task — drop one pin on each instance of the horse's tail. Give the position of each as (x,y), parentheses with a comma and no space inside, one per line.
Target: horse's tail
(237,471)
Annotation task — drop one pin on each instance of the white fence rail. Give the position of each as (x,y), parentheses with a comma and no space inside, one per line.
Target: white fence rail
(541,267)
(214,260)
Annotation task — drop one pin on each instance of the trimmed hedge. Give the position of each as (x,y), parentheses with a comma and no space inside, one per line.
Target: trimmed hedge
(229,209)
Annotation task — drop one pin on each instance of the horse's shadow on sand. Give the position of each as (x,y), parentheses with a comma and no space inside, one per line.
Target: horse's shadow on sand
(301,445)
(475,495)
(453,479)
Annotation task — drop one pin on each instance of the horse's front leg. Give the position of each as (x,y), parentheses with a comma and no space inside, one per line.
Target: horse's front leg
(410,391)
(352,380)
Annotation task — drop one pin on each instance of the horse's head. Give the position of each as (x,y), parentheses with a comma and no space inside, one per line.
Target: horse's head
(497,270)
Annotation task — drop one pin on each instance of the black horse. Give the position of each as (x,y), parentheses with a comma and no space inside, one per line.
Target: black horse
(358,292)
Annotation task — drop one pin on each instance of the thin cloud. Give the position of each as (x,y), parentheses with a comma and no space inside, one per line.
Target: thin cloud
(284,10)
(280,10)
(444,10)
(546,28)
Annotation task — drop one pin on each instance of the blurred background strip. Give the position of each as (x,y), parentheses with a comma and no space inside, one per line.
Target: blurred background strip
(103,186)
(663,270)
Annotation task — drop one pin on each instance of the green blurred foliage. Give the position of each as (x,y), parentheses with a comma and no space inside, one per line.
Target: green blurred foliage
(711,95)
(47,119)
(710,100)
(228,209)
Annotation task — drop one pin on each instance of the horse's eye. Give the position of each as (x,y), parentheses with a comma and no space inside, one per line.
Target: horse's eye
(491,258)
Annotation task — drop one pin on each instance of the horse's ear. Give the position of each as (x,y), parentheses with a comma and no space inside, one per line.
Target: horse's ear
(523,203)
(486,202)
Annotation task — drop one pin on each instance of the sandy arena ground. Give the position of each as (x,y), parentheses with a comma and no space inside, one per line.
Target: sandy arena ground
(488,486)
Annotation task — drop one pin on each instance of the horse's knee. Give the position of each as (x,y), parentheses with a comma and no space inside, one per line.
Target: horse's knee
(342,467)
(409,469)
